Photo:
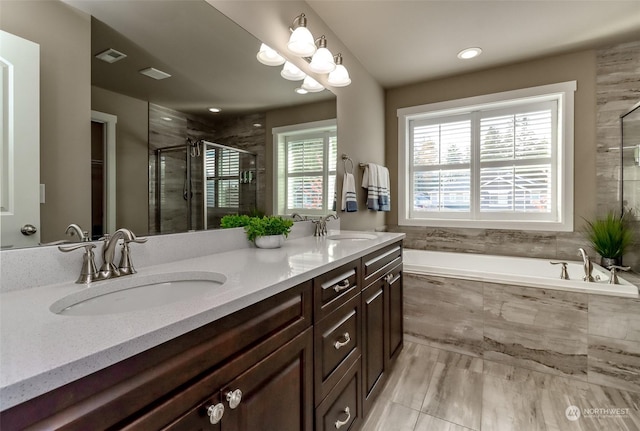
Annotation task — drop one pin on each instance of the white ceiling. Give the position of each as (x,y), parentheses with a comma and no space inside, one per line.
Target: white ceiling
(401,41)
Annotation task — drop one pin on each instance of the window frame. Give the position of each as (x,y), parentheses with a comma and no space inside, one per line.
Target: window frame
(476,107)
(281,135)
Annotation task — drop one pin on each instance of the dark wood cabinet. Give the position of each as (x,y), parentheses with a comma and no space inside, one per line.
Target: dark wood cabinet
(382,319)
(273,394)
(312,357)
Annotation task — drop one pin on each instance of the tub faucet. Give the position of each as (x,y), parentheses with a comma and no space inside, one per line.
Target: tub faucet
(587,265)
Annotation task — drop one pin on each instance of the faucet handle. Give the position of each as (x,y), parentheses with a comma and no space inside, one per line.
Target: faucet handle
(613,278)
(88,273)
(564,275)
(126,265)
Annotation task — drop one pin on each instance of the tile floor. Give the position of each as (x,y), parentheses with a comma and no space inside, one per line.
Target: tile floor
(438,390)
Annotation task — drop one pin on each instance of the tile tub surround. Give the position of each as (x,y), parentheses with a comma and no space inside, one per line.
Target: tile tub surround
(40,350)
(585,337)
(491,397)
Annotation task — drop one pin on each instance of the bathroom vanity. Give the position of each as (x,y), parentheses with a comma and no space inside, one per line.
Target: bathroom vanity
(302,338)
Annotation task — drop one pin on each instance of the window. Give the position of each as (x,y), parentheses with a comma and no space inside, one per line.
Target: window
(498,161)
(306,165)
(222,169)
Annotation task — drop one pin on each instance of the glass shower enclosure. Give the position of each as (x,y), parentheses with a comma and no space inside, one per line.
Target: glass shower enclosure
(200,182)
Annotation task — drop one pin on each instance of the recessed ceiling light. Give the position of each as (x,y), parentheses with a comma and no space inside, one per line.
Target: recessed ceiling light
(154,73)
(301,90)
(167,118)
(111,55)
(215,110)
(469,53)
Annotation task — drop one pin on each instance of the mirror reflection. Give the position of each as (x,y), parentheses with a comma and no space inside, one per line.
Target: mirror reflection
(160,161)
(631,161)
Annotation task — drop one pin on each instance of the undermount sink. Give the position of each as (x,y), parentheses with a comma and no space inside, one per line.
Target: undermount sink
(352,236)
(137,292)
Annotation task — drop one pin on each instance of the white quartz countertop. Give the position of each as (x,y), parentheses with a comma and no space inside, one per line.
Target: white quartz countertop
(40,350)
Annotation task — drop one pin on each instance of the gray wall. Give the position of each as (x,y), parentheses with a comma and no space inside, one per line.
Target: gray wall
(360,106)
(132,177)
(590,173)
(63,34)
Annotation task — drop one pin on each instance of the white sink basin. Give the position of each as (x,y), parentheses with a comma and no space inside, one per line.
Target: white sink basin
(352,236)
(131,293)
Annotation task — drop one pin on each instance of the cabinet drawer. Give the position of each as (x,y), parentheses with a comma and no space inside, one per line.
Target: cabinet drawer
(342,409)
(337,345)
(335,287)
(378,263)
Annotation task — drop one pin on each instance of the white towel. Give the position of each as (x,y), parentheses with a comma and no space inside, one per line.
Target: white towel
(384,196)
(370,182)
(376,181)
(349,201)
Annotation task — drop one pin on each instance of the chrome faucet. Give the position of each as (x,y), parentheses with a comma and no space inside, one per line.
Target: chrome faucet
(108,268)
(89,273)
(321,224)
(298,217)
(587,265)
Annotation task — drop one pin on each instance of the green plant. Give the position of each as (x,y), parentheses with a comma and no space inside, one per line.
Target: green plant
(611,235)
(267,225)
(235,220)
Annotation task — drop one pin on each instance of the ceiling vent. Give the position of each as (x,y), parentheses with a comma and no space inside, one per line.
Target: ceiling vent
(111,55)
(154,73)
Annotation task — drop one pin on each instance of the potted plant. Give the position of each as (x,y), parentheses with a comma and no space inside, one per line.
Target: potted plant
(610,236)
(264,232)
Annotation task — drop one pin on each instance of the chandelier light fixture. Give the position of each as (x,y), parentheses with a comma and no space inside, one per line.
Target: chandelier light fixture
(291,72)
(301,42)
(269,57)
(340,76)
(321,61)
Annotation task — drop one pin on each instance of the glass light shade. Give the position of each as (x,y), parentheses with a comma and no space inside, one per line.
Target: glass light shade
(339,77)
(322,61)
(311,85)
(269,57)
(301,90)
(291,72)
(301,42)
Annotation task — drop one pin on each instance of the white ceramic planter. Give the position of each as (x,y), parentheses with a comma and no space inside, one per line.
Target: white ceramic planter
(269,241)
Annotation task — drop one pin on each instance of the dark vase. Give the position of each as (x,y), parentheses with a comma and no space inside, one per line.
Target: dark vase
(606,262)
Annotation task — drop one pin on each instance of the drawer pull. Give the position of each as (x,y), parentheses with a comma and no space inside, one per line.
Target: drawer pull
(234,398)
(215,413)
(339,424)
(344,284)
(388,278)
(346,341)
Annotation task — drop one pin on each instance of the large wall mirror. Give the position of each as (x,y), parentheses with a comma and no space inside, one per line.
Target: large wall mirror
(178,166)
(631,161)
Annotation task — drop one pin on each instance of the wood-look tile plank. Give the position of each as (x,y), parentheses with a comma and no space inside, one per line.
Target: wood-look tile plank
(430,423)
(407,384)
(385,415)
(455,390)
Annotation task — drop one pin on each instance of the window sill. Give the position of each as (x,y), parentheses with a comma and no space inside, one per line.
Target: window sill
(547,226)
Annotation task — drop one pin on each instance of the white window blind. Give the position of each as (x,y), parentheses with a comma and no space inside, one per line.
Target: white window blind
(488,163)
(306,165)
(222,170)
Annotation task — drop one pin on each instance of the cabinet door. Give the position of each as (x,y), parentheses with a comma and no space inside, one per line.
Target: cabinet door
(198,418)
(394,287)
(373,315)
(276,393)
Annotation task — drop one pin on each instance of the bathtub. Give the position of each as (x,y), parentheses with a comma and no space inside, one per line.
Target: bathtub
(531,272)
